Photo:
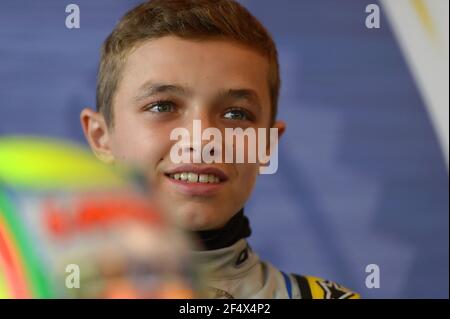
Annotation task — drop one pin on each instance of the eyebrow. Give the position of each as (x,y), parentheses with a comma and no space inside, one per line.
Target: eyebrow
(150,88)
(241,94)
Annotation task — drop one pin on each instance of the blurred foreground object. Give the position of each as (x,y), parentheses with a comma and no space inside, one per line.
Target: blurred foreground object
(71,227)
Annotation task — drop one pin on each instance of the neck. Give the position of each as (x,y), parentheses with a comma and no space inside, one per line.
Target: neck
(237,228)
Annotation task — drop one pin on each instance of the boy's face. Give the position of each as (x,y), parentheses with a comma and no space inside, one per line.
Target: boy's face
(168,83)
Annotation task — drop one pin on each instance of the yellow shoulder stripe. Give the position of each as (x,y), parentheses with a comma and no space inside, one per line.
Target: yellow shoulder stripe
(325,289)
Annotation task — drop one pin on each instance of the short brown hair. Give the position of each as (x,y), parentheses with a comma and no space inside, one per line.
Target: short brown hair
(190,19)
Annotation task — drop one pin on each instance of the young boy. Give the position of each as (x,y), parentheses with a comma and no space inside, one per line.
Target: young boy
(166,64)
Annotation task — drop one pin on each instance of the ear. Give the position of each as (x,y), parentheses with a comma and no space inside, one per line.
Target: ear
(281,126)
(97,134)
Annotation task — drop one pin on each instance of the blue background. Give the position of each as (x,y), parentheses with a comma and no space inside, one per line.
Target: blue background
(361,178)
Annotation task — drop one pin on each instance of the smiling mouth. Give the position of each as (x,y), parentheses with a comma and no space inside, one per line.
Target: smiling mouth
(190,177)
(197,184)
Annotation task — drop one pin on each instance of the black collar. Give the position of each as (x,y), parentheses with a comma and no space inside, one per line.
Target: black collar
(237,228)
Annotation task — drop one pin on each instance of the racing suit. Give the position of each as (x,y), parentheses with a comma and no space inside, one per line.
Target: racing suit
(235,271)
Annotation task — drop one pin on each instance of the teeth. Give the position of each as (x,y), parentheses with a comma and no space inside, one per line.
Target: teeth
(196,178)
(193,178)
(203,178)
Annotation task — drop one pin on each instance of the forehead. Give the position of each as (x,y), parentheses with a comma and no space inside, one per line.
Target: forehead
(203,66)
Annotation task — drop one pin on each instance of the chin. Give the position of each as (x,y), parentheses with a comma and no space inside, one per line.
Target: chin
(199,219)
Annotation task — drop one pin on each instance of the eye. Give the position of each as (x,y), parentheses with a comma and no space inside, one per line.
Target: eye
(238,114)
(161,107)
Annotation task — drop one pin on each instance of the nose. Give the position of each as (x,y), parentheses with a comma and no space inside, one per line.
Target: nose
(197,149)
(197,126)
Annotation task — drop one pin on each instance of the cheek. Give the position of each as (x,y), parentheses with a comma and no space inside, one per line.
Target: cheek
(138,144)
(247,177)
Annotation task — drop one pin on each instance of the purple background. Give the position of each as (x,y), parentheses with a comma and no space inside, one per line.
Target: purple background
(361,177)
